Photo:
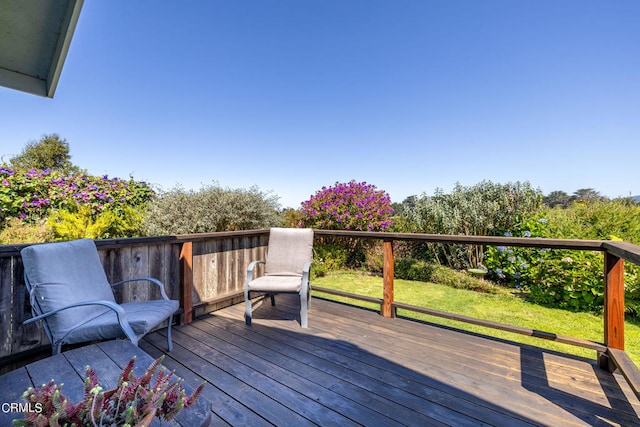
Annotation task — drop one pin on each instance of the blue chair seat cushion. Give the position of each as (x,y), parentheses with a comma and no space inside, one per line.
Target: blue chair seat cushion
(141,316)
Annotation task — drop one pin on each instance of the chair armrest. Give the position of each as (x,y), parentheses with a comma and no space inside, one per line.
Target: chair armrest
(149,279)
(306,269)
(250,270)
(113,306)
(122,319)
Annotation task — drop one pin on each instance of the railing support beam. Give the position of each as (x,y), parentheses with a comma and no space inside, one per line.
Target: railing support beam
(387,277)
(186,282)
(613,301)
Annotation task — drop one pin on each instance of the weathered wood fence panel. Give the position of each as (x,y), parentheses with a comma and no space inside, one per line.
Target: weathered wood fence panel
(219,263)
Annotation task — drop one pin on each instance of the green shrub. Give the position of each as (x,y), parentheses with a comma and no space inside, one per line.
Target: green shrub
(328,257)
(83,222)
(412,269)
(211,209)
(18,231)
(31,195)
(461,280)
(569,279)
(481,210)
(374,257)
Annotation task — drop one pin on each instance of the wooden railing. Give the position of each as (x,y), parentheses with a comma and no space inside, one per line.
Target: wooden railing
(611,353)
(207,272)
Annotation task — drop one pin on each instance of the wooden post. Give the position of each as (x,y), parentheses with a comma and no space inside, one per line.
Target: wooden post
(613,301)
(387,274)
(186,282)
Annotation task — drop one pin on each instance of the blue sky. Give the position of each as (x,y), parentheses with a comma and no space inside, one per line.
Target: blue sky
(293,95)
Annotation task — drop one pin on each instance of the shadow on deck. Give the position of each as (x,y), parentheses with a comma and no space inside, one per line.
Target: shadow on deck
(354,367)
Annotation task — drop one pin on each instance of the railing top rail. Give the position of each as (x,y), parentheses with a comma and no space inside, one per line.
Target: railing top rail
(14,249)
(535,242)
(624,250)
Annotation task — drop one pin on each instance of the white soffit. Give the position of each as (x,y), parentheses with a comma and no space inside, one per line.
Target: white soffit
(34,40)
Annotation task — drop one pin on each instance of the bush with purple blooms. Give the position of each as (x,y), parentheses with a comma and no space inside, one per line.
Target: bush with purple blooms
(354,206)
(348,206)
(32,196)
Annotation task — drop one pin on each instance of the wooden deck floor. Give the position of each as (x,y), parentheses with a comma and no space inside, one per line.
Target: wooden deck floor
(354,367)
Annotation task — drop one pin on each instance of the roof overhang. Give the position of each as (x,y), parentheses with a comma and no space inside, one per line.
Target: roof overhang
(34,40)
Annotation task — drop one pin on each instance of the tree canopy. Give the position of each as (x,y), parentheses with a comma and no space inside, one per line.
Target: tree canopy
(48,153)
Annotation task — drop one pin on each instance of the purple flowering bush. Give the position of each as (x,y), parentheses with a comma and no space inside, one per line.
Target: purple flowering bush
(348,206)
(34,195)
(354,206)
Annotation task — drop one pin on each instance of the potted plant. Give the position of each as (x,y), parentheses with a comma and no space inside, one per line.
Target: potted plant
(134,402)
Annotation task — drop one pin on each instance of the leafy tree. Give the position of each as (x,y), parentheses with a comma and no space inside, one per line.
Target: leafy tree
(49,153)
(557,198)
(408,204)
(587,195)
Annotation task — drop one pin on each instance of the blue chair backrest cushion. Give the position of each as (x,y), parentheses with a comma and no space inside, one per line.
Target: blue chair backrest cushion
(64,273)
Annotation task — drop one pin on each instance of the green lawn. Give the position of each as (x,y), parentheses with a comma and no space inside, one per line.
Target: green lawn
(502,307)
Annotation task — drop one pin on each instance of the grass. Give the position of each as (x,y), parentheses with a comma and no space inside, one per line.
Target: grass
(502,306)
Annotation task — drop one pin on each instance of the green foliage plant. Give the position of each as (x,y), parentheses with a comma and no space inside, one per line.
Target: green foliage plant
(154,392)
(211,209)
(328,257)
(18,231)
(31,195)
(480,210)
(569,279)
(108,223)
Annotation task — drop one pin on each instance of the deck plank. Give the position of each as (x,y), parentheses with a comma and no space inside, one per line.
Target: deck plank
(333,391)
(436,378)
(352,366)
(578,373)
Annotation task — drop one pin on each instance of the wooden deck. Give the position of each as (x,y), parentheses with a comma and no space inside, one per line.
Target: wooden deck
(354,367)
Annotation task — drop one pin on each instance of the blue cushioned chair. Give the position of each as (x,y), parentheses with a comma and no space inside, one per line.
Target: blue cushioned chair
(70,293)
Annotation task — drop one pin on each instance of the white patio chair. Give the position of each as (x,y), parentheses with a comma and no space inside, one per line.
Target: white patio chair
(287,266)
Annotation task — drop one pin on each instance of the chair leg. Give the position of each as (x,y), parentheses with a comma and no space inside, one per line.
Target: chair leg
(169,340)
(304,306)
(273,300)
(56,348)
(304,312)
(247,307)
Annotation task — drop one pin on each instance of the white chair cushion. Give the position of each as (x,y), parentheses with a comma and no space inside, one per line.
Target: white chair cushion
(276,283)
